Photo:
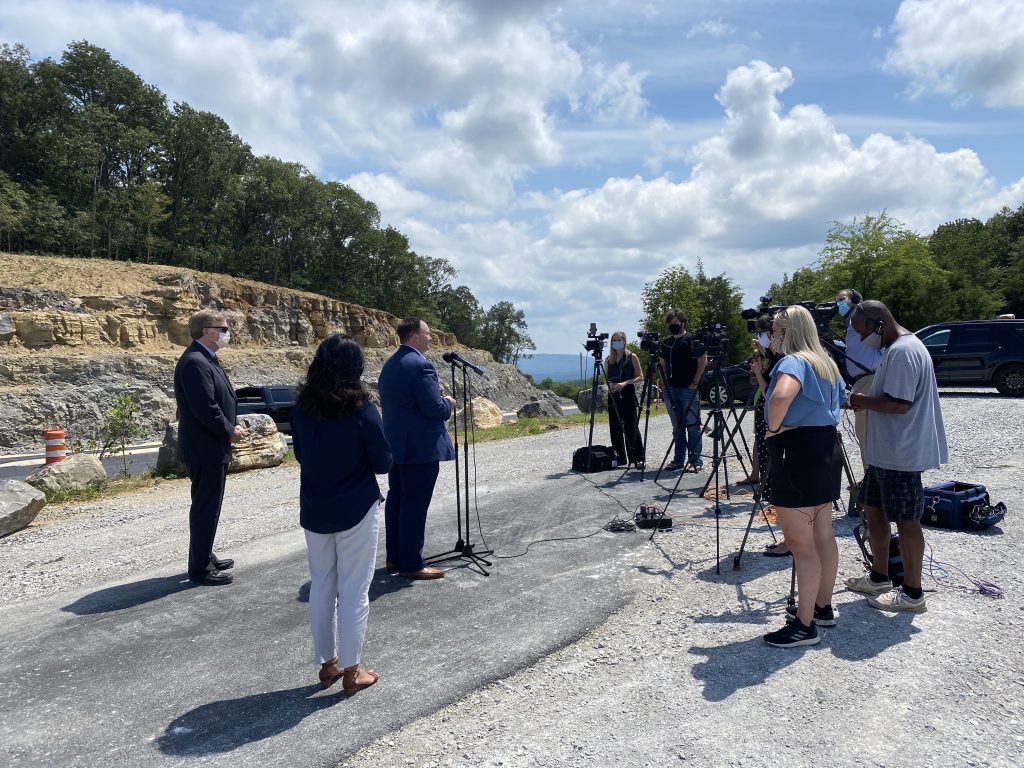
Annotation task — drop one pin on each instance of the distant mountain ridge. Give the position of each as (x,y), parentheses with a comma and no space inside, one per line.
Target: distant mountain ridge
(558,367)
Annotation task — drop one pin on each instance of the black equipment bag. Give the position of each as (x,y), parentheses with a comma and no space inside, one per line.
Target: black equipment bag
(960,506)
(597,458)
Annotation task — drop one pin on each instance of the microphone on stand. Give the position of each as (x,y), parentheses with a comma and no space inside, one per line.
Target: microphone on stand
(454,357)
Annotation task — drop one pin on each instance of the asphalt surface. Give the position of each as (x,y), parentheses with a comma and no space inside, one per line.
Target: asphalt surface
(147,669)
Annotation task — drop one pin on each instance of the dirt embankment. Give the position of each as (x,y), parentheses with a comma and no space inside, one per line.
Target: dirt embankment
(74,333)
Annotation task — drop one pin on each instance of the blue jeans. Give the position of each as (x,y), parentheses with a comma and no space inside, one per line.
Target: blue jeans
(686,426)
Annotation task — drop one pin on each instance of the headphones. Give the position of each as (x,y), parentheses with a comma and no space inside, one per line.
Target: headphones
(855,297)
(873,323)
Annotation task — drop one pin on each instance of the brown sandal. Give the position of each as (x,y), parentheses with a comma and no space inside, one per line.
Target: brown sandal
(330,673)
(352,683)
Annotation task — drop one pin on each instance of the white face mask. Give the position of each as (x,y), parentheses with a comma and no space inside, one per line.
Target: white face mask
(223,339)
(618,345)
(873,341)
(764,340)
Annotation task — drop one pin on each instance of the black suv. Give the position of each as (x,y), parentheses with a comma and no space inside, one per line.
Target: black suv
(978,353)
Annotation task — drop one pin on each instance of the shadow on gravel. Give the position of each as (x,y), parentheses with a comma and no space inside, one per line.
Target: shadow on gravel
(129,595)
(983,395)
(222,726)
(384,583)
(731,667)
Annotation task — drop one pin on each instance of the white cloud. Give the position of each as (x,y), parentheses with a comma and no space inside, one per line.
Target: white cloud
(712,28)
(962,48)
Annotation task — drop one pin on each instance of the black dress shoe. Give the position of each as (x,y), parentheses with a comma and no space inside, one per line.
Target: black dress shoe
(221,565)
(212,578)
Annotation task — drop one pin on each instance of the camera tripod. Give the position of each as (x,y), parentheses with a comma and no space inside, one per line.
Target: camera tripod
(721,439)
(463,549)
(596,349)
(646,395)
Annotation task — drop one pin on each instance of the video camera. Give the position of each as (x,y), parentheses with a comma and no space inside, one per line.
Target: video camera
(822,314)
(650,342)
(595,341)
(714,338)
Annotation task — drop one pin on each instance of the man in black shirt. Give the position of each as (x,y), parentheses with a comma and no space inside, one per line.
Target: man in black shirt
(683,361)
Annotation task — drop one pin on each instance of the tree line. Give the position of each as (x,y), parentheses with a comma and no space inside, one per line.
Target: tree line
(94,163)
(965,270)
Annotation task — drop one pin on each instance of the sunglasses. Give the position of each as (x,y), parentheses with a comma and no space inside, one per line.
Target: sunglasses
(221,328)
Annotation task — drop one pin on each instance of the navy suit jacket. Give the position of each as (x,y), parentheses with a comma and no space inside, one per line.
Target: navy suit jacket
(207,408)
(415,413)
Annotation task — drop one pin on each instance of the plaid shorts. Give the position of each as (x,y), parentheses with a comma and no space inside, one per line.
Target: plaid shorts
(900,495)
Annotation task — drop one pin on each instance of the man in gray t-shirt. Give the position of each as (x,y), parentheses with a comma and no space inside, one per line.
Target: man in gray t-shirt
(904,437)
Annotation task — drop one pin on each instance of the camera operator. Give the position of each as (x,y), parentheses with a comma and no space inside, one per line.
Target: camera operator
(867,353)
(683,361)
(622,369)
(905,437)
(805,463)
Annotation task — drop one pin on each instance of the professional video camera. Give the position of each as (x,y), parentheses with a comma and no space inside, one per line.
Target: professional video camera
(822,314)
(650,342)
(714,339)
(595,341)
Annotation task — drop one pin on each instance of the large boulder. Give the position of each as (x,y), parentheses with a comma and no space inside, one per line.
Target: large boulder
(19,505)
(484,413)
(539,409)
(264,447)
(73,474)
(583,399)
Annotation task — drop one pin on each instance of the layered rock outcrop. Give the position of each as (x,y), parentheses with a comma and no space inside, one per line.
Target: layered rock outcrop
(74,333)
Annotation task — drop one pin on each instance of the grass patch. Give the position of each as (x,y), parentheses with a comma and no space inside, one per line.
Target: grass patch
(112,486)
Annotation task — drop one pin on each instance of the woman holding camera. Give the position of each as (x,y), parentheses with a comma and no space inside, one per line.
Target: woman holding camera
(623,372)
(805,464)
(339,442)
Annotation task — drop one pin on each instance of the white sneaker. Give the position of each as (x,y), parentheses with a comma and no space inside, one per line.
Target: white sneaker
(867,586)
(897,600)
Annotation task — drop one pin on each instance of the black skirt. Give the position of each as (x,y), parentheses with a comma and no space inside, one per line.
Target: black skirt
(806,466)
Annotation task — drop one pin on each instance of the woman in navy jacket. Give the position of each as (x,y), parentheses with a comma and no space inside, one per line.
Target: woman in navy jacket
(339,442)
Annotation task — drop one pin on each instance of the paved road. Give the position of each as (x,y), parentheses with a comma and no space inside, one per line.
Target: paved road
(144,669)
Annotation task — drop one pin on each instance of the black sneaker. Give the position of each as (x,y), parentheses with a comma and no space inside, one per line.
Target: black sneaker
(823,617)
(793,635)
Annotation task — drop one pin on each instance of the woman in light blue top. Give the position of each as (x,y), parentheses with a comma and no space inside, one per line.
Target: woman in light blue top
(805,464)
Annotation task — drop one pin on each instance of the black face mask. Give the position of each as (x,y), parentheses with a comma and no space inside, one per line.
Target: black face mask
(675,328)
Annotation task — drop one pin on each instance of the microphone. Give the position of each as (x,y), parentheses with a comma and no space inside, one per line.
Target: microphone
(455,358)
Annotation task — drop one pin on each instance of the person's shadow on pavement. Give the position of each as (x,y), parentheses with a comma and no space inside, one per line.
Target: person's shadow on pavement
(129,595)
(222,726)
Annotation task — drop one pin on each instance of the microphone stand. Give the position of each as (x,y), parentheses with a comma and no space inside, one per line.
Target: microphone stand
(463,549)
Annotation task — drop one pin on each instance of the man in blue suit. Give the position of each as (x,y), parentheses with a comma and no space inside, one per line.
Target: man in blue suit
(415,424)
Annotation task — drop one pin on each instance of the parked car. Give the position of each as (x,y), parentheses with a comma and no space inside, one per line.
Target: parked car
(276,402)
(978,353)
(735,385)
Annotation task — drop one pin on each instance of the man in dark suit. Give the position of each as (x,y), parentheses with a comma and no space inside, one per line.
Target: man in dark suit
(415,424)
(206,429)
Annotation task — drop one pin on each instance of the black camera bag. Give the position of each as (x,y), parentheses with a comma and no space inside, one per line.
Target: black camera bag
(597,458)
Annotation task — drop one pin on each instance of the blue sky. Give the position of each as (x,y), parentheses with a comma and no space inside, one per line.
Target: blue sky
(561,155)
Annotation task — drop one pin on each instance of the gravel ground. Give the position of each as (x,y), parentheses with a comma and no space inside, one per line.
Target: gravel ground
(680,675)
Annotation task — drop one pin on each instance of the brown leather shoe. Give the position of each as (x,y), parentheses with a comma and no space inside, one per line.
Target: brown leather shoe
(330,673)
(356,679)
(423,573)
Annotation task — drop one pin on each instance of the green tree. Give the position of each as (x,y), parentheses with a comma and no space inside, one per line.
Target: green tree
(460,312)
(968,252)
(120,427)
(503,333)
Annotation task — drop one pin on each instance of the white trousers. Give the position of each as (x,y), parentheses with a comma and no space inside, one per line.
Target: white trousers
(860,418)
(340,571)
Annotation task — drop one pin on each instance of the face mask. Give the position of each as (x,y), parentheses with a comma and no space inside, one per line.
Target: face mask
(873,341)
(764,340)
(675,328)
(223,339)
(618,346)
(843,306)
(776,345)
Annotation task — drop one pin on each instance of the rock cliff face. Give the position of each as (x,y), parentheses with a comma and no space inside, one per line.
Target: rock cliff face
(76,332)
